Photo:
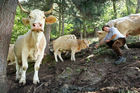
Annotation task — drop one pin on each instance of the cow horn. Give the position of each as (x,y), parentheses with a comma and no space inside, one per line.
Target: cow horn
(48,12)
(26,11)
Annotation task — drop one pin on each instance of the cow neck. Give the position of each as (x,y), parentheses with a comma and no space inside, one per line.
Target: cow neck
(34,39)
(79,44)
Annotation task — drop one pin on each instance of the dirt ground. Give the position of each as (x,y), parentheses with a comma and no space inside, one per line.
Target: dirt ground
(90,73)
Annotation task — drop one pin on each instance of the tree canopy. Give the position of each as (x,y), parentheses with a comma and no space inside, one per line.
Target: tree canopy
(77,15)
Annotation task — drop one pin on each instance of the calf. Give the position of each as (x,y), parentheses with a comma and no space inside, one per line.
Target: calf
(68,42)
(30,46)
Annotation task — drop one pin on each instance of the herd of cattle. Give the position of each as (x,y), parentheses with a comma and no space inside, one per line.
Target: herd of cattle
(31,46)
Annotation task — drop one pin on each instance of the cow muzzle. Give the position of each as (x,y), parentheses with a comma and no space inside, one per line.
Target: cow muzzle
(37,27)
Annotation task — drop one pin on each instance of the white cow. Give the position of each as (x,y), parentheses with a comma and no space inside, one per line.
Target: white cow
(31,46)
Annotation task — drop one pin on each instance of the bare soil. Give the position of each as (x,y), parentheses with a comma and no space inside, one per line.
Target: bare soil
(90,73)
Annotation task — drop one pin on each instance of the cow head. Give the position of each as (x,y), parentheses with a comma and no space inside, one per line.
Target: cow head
(85,43)
(101,35)
(37,19)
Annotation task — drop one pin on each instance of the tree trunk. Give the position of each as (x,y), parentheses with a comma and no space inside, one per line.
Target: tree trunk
(62,13)
(128,6)
(81,34)
(60,20)
(138,6)
(47,35)
(84,29)
(62,24)
(114,8)
(7,14)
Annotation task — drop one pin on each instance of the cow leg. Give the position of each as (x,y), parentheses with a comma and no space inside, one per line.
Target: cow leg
(72,55)
(55,55)
(139,38)
(17,69)
(59,54)
(36,68)
(20,71)
(126,47)
(24,67)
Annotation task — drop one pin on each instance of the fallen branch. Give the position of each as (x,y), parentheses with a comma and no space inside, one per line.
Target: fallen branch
(38,87)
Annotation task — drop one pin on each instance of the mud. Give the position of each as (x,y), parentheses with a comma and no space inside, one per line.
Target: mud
(90,73)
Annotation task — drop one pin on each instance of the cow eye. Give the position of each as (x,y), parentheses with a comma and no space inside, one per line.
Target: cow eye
(44,17)
(30,17)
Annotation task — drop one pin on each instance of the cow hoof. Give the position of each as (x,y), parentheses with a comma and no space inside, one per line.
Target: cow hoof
(22,81)
(36,81)
(73,60)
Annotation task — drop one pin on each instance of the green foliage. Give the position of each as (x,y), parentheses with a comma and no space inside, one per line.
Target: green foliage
(103,51)
(126,91)
(19,28)
(132,39)
(79,15)
(68,28)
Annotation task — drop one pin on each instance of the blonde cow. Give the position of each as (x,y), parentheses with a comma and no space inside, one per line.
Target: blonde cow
(128,25)
(68,42)
(11,56)
(31,46)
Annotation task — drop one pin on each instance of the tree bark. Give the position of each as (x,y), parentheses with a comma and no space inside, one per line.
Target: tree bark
(84,29)
(81,34)
(114,8)
(138,6)
(60,20)
(7,14)
(47,35)
(63,1)
(128,6)
(62,24)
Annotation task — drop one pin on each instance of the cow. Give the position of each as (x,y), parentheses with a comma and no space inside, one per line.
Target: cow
(68,43)
(30,46)
(128,25)
(11,56)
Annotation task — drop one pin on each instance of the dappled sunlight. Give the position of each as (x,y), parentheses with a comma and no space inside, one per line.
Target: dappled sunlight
(95,39)
(61,46)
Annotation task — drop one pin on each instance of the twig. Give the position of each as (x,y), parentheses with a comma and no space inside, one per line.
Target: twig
(37,88)
(29,89)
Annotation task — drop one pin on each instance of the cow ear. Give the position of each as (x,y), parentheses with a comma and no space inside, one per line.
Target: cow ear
(83,40)
(89,42)
(25,21)
(50,20)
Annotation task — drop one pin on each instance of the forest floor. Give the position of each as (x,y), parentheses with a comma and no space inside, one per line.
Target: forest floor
(93,71)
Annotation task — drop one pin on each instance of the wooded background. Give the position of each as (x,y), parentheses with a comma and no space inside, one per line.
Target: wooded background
(74,16)
(77,16)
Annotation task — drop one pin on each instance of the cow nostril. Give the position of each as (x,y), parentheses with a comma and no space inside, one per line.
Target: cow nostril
(40,25)
(33,24)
